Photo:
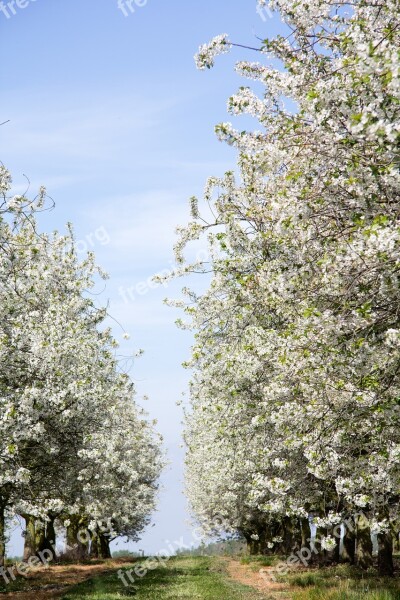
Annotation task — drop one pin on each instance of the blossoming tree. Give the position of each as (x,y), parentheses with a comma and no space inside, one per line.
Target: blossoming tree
(297,346)
(72,440)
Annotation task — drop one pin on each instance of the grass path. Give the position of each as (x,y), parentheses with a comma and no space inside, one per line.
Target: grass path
(202,578)
(194,578)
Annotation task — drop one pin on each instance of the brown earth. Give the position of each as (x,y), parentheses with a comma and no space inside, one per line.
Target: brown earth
(53,582)
(260,580)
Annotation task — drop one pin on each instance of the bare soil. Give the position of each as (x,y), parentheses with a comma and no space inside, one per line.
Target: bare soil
(53,582)
(260,580)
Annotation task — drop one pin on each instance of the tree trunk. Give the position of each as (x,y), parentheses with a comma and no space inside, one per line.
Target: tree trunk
(305,533)
(50,535)
(30,537)
(94,543)
(322,554)
(349,543)
(385,554)
(285,530)
(94,547)
(263,541)
(72,533)
(364,543)
(288,535)
(334,554)
(40,535)
(252,545)
(2,535)
(297,535)
(78,537)
(105,551)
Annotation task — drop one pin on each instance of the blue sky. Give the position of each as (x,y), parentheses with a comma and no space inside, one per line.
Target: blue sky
(110,114)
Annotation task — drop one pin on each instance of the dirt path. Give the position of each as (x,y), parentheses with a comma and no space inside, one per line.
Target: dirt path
(53,583)
(259,580)
(46,584)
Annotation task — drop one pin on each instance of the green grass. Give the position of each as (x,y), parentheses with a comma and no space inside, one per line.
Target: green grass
(331,583)
(341,583)
(14,586)
(189,578)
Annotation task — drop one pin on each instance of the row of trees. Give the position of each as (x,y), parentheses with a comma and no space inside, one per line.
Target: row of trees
(295,410)
(75,449)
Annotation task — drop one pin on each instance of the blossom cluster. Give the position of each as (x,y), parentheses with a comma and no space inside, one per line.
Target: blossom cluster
(208,52)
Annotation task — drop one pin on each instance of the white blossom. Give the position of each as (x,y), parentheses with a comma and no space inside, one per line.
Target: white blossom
(208,52)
